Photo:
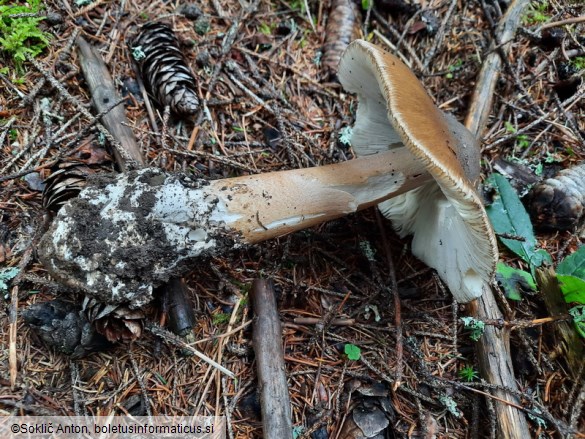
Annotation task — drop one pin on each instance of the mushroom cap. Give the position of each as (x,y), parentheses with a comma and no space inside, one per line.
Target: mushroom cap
(450,228)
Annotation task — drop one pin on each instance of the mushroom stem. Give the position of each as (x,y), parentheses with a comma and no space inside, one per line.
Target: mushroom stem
(277,203)
(127,233)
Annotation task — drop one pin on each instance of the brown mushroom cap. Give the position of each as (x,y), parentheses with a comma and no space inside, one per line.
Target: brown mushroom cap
(451,230)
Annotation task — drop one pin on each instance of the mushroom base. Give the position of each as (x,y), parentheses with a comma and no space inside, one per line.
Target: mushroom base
(126,234)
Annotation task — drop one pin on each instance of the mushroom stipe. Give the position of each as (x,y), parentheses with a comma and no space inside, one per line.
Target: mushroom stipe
(127,233)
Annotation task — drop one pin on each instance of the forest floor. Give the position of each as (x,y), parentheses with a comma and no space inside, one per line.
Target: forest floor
(270,105)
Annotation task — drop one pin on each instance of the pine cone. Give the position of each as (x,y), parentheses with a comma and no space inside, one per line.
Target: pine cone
(115,322)
(164,69)
(64,184)
(70,177)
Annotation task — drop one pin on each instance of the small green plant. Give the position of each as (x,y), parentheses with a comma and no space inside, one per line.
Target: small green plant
(266,28)
(475,326)
(221,318)
(511,221)
(523,139)
(352,351)
(453,67)
(536,13)
(20,36)
(297,5)
(468,373)
(578,62)
(367,4)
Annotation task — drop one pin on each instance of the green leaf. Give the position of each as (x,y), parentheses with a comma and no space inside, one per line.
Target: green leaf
(571,274)
(578,313)
(573,288)
(574,264)
(366,4)
(352,352)
(514,280)
(509,217)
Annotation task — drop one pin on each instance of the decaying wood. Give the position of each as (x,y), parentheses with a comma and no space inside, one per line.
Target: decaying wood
(267,341)
(104,96)
(493,347)
(570,343)
(483,94)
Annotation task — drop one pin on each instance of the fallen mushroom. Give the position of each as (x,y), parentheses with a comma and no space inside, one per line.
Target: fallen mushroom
(127,233)
(451,231)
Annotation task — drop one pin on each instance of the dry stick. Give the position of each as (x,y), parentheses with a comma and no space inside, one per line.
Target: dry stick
(499,47)
(12,330)
(104,95)
(482,99)
(563,22)
(140,381)
(177,341)
(401,42)
(396,300)
(565,104)
(493,347)
(267,341)
(316,321)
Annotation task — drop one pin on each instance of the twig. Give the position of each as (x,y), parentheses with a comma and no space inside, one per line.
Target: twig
(140,381)
(228,409)
(563,22)
(174,339)
(315,321)
(396,301)
(493,347)
(396,48)
(104,95)
(267,341)
(577,393)
(12,330)
(56,84)
(566,103)
(481,101)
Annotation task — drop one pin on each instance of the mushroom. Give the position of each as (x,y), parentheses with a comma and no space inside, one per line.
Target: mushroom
(450,228)
(127,233)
